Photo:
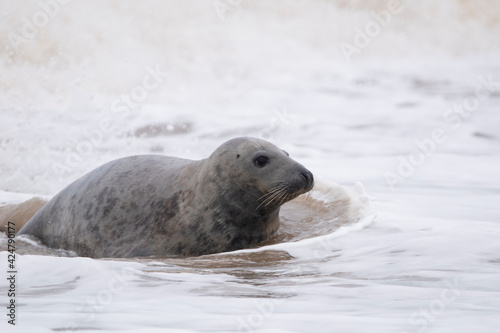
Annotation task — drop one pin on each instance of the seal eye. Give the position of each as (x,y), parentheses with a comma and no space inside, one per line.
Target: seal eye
(261,161)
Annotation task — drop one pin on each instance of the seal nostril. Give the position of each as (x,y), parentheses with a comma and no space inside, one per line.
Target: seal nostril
(308,178)
(305,176)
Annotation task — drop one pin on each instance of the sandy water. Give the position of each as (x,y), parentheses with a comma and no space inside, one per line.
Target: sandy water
(421,256)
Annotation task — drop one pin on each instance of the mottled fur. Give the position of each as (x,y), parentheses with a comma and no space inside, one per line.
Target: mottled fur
(157,205)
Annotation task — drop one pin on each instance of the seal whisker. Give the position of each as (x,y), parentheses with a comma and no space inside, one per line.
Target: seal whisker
(308,195)
(271,191)
(282,194)
(273,195)
(264,202)
(261,204)
(268,195)
(274,190)
(276,197)
(271,198)
(284,198)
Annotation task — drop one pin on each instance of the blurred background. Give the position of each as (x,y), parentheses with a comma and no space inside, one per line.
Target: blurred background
(335,78)
(402,96)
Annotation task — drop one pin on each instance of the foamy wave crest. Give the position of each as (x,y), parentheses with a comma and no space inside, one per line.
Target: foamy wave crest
(310,222)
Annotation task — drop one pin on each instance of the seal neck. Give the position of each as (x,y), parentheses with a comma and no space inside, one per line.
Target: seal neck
(219,186)
(232,204)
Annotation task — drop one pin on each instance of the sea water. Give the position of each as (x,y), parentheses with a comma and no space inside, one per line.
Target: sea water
(394,106)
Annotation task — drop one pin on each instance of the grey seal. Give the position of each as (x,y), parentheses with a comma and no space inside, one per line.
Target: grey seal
(154,205)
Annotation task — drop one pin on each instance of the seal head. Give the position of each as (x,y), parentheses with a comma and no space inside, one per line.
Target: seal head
(266,173)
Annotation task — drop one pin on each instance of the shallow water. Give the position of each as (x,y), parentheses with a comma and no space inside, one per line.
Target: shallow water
(422,256)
